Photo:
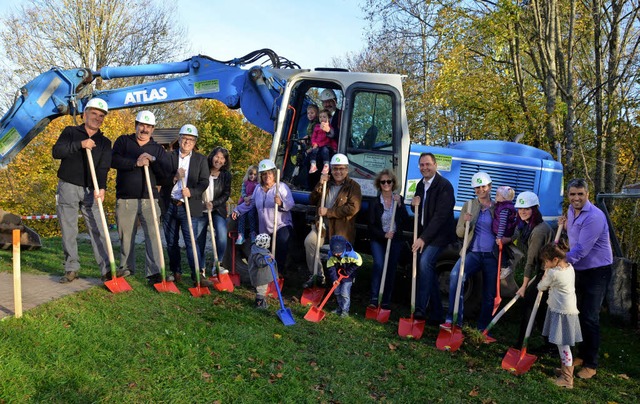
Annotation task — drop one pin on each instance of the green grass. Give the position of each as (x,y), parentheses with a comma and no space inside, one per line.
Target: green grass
(143,346)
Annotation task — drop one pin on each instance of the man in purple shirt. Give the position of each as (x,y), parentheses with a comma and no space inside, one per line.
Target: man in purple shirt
(591,256)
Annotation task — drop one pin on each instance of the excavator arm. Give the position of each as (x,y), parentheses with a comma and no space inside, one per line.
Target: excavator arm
(57,92)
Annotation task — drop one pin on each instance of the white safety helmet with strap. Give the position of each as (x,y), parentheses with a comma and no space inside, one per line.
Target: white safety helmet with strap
(266,165)
(98,103)
(339,159)
(527,199)
(263,240)
(189,129)
(327,94)
(146,117)
(479,179)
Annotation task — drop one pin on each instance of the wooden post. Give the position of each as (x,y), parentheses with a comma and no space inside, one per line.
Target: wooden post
(17,283)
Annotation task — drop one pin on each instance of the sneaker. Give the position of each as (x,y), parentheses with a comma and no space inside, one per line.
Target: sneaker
(120,273)
(153,279)
(504,272)
(170,278)
(325,169)
(240,239)
(69,276)
(313,168)
(337,311)
(310,282)
(344,314)
(204,283)
(446,326)
(222,271)
(261,303)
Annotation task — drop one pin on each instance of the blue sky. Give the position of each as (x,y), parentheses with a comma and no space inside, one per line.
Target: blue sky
(310,33)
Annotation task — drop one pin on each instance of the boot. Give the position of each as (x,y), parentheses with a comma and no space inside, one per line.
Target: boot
(566,377)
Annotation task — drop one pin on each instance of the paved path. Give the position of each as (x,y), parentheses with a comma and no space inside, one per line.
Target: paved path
(38,289)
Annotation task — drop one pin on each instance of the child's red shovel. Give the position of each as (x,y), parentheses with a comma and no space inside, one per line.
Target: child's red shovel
(315,313)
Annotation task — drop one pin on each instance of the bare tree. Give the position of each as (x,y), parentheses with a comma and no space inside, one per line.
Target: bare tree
(87,33)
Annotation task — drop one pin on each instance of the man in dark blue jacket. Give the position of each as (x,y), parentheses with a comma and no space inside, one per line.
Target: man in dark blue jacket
(75,186)
(184,163)
(131,153)
(436,229)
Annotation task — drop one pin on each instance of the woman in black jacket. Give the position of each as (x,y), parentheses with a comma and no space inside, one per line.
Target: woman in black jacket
(380,231)
(216,196)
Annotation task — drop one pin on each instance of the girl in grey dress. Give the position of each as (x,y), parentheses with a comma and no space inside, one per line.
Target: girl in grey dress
(561,324)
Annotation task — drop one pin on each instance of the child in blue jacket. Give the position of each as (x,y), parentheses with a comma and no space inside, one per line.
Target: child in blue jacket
(344,260)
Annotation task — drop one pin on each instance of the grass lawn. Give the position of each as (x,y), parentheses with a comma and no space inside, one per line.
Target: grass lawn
(143,346)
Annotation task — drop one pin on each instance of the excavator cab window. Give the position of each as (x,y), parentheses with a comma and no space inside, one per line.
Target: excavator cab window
(370,141)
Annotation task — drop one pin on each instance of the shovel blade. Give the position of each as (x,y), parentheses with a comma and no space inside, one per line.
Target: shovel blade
(222,283)
(118,285)
(235,278)
(199,291)
(167,287)
(450,340)
(410,328)
(315,315)
(517,361)
(377,313)
(488,339)
(285,316)
(271,289)
(312,296)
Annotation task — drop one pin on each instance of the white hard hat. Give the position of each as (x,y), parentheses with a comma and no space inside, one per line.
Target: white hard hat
(527,199)
(266,165)
(98,103)
(146,117)
(339,159)
(479,179)
(189,129)
(263,240)
(327,94)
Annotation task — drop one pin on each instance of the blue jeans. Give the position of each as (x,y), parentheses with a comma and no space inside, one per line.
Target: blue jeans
(343,296)
(282,246)
(219,226)
(475,261)
(428,288)
(175,220)
(591,288)
(378,250)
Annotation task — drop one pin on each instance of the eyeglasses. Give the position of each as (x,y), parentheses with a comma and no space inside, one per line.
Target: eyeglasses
(382,182)
(339,168)
(188,139)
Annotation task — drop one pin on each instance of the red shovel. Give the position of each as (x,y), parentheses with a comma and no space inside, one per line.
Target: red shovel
(235,277)
(222,282)
(498,298)
(451,340)
(198,290)
(485,333)
(272,291)
(378,313)
(115,285)
(163,286)
(519,361)
(312,296)
(315,313)
(408,327)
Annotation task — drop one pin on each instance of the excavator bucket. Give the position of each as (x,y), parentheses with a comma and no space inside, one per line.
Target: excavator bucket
(29,239)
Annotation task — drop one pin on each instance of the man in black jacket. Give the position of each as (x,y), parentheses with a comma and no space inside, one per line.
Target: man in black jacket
(184,163)
(436,228)
(75,186)
(131,153)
